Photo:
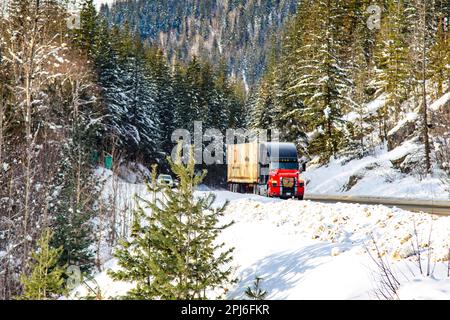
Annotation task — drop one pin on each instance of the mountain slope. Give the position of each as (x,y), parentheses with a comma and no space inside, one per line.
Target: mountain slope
(240,32)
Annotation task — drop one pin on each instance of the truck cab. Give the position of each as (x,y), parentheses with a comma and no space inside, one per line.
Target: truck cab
(280,173)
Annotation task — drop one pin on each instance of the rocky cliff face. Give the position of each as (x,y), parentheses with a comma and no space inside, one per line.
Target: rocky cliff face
(241,32)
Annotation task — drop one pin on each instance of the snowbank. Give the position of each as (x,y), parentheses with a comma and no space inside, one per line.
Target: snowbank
(102,286)
(307,250)
(375,176)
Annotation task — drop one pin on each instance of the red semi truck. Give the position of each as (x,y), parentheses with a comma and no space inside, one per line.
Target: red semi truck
(267,169)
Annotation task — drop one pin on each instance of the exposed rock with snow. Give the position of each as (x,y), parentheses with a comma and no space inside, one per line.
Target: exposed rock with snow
(441,102)
(386,173)
(403,131)
(134,173)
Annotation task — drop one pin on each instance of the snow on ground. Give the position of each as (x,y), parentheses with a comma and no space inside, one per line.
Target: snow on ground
(369,109)
(377,104)
(307,250)
(374,176)
(425,288)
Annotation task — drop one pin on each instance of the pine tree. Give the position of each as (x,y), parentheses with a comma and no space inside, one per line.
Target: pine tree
(424,31)
(195,105)
(325,82)
(263,111)
(360,64)
(255,292)
(142,91)
(163,97)
(172,252)
(75,207)
(74,204)
(87,36)
(393,62)
(180,97)
(440,55)
(238,113)
(45,281)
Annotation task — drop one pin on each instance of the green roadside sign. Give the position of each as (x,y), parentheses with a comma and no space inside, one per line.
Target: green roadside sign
(108,162)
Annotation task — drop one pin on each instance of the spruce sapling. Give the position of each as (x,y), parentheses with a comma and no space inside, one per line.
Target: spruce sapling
(45,282)
(172,253)
(256,292)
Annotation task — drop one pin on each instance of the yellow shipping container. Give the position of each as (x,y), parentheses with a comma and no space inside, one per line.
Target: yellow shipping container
(242,160)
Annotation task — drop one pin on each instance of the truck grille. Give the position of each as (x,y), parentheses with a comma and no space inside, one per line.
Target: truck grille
(288,183)
(290,192)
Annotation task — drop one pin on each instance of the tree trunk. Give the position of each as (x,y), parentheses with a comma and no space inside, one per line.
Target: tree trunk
(1,129)
(424,92)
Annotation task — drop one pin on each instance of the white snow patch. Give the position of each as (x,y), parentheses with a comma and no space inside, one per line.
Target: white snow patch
(410,117)
(438,104)
(425,289)
(377,104)
(103,285)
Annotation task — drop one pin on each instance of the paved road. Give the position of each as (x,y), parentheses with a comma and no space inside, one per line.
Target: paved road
(429,206)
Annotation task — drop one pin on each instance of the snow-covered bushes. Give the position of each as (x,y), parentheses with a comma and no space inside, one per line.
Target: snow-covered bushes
(395,283)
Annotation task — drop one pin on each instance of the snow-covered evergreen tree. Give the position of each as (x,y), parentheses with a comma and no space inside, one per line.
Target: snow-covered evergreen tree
(324,81)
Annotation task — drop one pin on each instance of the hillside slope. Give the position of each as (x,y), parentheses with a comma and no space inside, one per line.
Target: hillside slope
(394,168)
(376,175)
(240,32)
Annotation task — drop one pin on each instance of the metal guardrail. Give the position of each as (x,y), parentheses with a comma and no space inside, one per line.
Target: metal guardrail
(436,207)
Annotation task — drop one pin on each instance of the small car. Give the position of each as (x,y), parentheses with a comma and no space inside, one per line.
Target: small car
(165,180)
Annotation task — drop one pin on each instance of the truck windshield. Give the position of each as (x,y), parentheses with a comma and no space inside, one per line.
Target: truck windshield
(284,166)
